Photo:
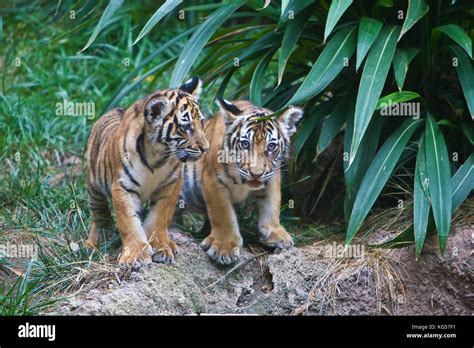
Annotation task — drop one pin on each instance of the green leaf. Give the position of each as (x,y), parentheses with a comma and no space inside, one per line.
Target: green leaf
(292,34)
(124,91)
(439,179)
(317,114)
(328,65)
(337,9)
(377,175)
(416,10)
(463,182)
(466,76)
(292,5)
(462,185)
(459,36)
(468,130)
(401,61)
(162,11)
(421,202)
(331,126)
(395,98)
(384,3)
(116,98)
(258,77)
(368,30)
(354,174)
(372,81)
(200,37)
(104,20)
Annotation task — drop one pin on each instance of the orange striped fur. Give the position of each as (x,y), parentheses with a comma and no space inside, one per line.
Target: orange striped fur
(213,186)
(135,158)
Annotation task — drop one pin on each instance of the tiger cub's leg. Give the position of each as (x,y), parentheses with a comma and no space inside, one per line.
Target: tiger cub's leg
(135,247)
(223,244)
(159,219)
(272,233)
(100,216)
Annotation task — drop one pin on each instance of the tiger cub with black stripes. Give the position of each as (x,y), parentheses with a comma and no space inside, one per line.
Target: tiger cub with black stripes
(135,157)
(244,160)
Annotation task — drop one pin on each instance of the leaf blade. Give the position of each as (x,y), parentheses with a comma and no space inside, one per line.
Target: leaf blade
(439,179)
(368,30)
(336,10)
(421,203)
(456,33)
(401,62)
(200,37)
(372,81)
(377,175)
(465,73)
(109,11)
(162,11)
(290,39)
(328,65)
(416,10)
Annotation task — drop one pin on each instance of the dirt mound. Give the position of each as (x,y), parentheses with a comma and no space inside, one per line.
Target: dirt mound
(320,279)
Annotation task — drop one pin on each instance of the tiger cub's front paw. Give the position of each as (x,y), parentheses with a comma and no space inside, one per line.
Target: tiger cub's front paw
(224,250)
(164,252)
(277,238)
(135,254)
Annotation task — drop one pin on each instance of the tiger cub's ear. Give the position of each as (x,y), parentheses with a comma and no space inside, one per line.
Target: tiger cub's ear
(156,108)
(193,87)
(290,119)
(228,110)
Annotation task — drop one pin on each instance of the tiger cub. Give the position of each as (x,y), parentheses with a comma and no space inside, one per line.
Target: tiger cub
(244,160)
(135,157)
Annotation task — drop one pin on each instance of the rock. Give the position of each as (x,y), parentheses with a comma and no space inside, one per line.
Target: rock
(297,281)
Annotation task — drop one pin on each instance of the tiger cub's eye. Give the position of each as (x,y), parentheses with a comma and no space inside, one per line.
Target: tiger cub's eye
(271,147)
(245,144)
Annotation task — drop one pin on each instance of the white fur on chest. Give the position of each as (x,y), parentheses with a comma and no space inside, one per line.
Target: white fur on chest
(151,181)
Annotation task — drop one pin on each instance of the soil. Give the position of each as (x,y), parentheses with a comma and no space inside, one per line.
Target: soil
(310,280)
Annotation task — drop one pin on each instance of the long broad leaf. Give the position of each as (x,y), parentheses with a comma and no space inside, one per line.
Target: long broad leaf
(421,203)
(292,7)
(331,125)
(292,34)
(199,39)
(373,79)
(354,174)
(328,65)
(337,9)
(459,36)
(116,99)
(466,76)
(401,62)
(104,19)
(396,98)
(416,10)
(377,175)
(463,182)
(162,11)
(257,79)
(368,30)
(439,179)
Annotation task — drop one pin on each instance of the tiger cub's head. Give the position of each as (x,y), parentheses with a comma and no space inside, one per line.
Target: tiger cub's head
(260,146)
(173,118)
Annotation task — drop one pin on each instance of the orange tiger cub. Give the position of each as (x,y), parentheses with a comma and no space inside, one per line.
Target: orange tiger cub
(244,160)
(134,158)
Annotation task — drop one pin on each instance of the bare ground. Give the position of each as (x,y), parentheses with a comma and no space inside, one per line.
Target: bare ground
(307,280)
